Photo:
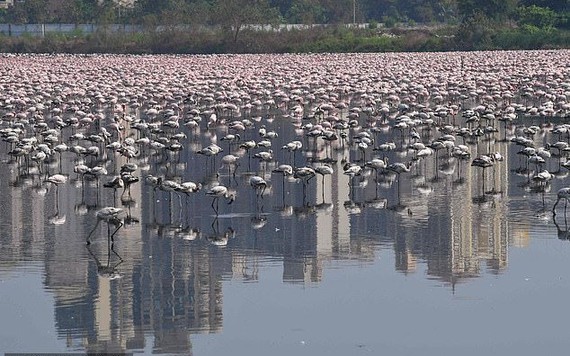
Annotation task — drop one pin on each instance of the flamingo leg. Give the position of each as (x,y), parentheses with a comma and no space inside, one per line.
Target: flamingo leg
(88,242)
(554,207)
(215,200)
(114,232)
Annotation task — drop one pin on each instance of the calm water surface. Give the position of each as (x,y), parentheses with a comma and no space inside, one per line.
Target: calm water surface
(434,264)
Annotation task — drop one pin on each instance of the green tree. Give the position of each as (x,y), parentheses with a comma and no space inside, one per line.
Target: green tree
(306,12)
(379,9)
(556,5)
(105,12)
(474,33)
(200,12)
(497,10)
(150,7)
(540,17)
(447,10)
(339,11)
(232,15)
(175,13)
(31,11)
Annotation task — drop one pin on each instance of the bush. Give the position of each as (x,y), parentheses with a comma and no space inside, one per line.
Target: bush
(389,21)
(536,16)
(531,37)
(475,34)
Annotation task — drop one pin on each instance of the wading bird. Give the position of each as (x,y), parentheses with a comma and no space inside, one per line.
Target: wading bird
(220,191)
(563,193)
(111,216)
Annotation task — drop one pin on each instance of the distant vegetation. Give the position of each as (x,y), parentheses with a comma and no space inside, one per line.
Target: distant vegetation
(222,26)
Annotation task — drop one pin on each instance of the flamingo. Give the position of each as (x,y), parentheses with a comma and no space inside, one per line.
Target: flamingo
(563,193)
(293,147)
(399,168)
(377,164)
(258,184)
(128,179)
(248,146)
(229,161)
(220,191)
(210,151)
(57,179)
(305,174)
(189,187)
(110,215)
(285,170)
(115,183)
(323,170)
(543,178)
(231,138)
(484,162)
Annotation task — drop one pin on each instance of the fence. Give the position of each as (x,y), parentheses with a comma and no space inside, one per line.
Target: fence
(42,29)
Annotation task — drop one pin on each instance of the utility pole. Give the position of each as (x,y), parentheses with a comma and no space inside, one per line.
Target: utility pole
(354,12)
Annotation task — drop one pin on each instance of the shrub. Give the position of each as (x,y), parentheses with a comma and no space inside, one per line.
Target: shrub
(389,21)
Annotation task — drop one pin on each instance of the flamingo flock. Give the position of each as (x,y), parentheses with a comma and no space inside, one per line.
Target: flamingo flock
(114,121)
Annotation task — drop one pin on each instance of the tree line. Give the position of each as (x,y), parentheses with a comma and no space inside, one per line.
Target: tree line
(220,26)
(234,13)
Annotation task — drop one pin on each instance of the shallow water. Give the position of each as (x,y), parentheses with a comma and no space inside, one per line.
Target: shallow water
(432,264)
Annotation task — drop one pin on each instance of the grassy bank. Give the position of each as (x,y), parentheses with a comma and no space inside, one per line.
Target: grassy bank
(330,39)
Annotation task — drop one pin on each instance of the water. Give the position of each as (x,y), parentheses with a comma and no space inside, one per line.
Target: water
(437,261)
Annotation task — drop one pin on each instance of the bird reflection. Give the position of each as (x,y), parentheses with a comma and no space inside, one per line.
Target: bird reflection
(128,201)
(188,233)
(563,233)
(543,211)
(129,218)
(377,203)
(285,211)
(352,207)
(258,221)
(481,199)
(218,238)
(325,207)
(399,207)
(57,219)
(108,269)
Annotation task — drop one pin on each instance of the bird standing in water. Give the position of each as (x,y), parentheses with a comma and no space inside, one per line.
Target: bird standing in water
(220,191)
(563,193)
(110,215)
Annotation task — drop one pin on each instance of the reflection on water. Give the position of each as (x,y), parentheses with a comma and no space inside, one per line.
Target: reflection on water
(159,269)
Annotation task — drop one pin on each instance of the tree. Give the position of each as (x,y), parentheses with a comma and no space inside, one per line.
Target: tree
(556,5)
(536,16)
(474,33)
(30,11)
(306,12)
(200,12)
(232,15)
(105,12)
(86,10)
(497,10)
(62,11)
(175,13)
(379,10)
(150,7)
(339,11)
